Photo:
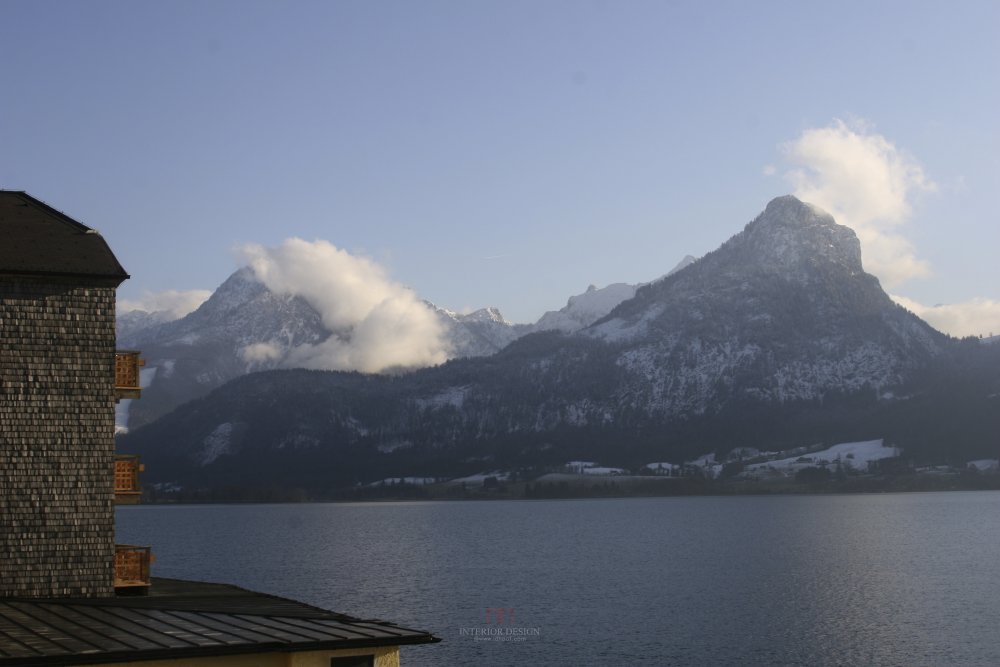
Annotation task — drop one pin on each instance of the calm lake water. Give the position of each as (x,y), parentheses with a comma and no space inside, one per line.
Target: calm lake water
(894,579)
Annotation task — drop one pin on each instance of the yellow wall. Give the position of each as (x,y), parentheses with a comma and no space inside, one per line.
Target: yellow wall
(384,657)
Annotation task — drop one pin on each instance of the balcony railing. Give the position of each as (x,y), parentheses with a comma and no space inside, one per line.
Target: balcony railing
(127,364)
(127,469)
(132,567)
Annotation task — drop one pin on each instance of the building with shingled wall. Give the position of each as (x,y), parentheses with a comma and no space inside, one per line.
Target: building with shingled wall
(57,350)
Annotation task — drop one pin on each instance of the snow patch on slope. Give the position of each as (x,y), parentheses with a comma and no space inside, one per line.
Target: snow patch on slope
(617,330)
(215,444)
(450,397)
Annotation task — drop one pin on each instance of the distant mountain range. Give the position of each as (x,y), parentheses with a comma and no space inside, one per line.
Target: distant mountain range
(584,309)
(245,327)
(778,338)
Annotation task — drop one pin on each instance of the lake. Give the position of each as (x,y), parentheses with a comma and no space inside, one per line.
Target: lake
(887,579)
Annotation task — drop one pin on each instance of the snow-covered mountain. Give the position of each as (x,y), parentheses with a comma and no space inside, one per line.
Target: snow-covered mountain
(782,311)
(244,327)
(243,312)
(479,333)
(241,328)
(778,334)
(129,323)
(584,309)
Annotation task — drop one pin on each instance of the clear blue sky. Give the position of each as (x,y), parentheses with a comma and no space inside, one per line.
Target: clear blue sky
(499,153)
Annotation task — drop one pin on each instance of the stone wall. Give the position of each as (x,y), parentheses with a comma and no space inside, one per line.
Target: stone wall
(57,344)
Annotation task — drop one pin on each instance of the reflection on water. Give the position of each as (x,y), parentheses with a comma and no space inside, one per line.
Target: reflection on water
(819,580)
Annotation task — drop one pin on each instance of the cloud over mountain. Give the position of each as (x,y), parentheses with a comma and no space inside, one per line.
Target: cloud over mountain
(175,304)
(970,318)
(376,323)
(868,184)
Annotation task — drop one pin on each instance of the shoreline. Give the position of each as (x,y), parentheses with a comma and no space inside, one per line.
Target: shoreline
(584,488)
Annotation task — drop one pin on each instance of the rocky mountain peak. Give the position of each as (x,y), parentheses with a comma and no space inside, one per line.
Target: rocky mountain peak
(489,314)
(239,289)
(791,282)
(791,235)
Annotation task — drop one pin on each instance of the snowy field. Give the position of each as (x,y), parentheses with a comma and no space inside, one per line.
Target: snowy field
(856,455)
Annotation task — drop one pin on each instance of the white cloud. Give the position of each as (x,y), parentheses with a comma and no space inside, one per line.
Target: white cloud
(261,353)
(377,324)
(173,302)
(866,183)
(971,318)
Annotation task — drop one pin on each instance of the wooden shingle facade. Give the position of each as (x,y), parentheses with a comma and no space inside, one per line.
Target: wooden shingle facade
(57,352)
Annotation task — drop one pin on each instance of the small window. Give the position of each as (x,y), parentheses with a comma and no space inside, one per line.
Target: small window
(353,661)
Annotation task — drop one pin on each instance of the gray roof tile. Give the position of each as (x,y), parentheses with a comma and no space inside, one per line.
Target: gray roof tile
(36,239)
(180,619)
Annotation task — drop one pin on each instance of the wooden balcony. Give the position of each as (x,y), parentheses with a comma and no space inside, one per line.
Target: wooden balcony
(127,365)
(132,569)
(127,469)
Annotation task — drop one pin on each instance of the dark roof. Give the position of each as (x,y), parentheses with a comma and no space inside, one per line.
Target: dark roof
(36,239)
(180,619)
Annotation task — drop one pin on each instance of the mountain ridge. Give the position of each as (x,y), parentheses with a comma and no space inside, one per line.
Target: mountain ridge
(244,327)
(741,348)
